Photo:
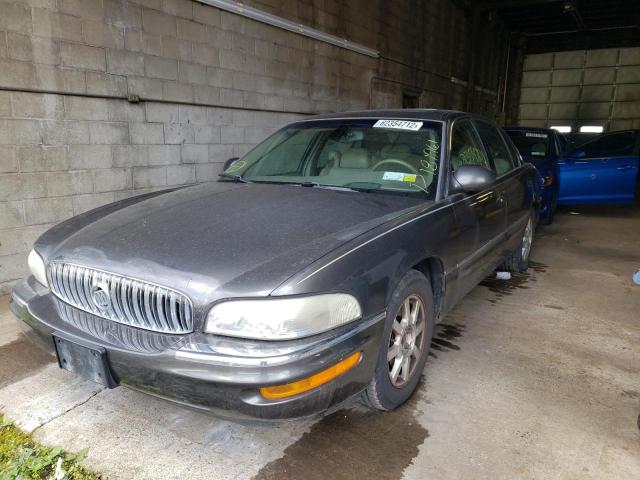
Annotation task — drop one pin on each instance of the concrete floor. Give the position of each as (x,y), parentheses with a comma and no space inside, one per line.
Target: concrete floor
(537,377)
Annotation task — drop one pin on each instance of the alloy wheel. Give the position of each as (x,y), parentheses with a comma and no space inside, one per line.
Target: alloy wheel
(406,342)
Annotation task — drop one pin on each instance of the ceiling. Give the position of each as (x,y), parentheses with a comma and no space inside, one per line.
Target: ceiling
(553,25)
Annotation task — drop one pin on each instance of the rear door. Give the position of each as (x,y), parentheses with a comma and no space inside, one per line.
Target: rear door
(603,171)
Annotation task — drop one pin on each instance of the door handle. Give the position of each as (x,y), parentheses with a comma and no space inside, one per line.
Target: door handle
(500,201)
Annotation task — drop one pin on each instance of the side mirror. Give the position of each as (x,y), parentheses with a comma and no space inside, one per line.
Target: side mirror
(471,179)
(229,162)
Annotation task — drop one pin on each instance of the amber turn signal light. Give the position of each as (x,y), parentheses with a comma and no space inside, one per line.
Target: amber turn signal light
(309,383)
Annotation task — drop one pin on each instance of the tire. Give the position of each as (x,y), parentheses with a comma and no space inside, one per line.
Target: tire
(383,393)
(518,260)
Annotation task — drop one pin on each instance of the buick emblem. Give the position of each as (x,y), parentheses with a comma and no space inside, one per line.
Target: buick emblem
(100,296)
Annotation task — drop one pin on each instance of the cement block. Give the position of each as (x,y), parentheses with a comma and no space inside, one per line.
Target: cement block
(83,56)
(60,184)
(82,8)
(219,77)
(178,8)
(231,134)
(130,155)
(181,174)
(206,14)
(138,41)
(630,75)
(207,55)
(83,108)
(122,111)
(108,133)
(122,14)
(8,160)
(111,179)
(192,73)
(164,154)
(148,88)
(147,177)
(15,17)
(22,186)
(220,153)
(160,112)
(20,239)
(158,22)
(599,76)
(29,48)
(146,133)
(605,57)
(19,132)
(5,104)
(157,67)
(11,215)
(192,114)
(630,56)
(207,95)
(206,134)
(37,105)
(53,77)
(50,24)
(208,172)
(176,49)
(13,267)
(39,158)
(16,74)
(83,157)
(192,31)
(178,133)
(64,132)
(121,62)
(47,210)
(177,92)
(572,59)
(106,84)
(195,154)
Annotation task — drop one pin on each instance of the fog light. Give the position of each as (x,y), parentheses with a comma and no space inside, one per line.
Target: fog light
(309,383)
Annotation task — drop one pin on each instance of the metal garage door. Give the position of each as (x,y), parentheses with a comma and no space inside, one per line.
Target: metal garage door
(578,88)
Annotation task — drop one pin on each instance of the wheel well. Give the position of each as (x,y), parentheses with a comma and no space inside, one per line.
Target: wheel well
(433,270)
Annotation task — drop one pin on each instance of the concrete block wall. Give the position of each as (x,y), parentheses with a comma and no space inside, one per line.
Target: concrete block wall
(210,85)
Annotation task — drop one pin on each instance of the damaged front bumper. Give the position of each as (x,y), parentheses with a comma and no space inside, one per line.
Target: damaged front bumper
(222,375)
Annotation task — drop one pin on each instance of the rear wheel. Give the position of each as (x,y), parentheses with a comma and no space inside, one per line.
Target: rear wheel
(518,260)
(405,345)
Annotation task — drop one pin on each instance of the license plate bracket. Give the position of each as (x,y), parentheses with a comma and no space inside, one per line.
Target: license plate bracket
(87,361)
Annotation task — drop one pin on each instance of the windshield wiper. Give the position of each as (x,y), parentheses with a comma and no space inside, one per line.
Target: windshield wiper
(232,176)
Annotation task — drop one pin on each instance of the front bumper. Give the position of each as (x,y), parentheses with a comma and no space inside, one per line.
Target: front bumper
(218,374)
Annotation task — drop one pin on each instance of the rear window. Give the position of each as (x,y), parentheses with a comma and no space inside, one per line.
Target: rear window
(531,144)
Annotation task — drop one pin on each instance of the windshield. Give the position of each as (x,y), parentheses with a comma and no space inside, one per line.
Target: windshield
(530,144)
(374,155)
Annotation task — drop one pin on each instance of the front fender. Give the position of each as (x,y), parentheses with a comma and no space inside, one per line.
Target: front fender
(370,266)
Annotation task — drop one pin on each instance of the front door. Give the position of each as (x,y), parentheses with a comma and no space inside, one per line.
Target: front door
(480,218)
(602,171)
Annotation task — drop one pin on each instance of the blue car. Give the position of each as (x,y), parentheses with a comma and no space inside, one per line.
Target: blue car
(544,148)
(601,171)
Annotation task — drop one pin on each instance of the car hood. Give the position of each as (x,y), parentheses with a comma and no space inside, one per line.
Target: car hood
(222,239)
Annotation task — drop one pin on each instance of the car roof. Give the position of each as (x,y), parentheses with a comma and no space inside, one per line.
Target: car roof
(530,129)
(406,113)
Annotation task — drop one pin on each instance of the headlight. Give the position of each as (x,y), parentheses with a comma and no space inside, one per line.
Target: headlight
(36,265)
(282,318)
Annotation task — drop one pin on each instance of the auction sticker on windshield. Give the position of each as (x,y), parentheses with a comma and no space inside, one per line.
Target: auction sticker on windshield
(399,177)
(398,124)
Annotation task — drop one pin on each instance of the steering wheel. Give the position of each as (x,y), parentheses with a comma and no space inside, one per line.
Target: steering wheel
(395,161)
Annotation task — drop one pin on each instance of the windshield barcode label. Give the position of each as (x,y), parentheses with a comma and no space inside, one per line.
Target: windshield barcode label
(398,124)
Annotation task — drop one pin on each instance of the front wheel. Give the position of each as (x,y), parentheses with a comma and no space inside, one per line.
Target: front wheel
(405,343)
(518,260)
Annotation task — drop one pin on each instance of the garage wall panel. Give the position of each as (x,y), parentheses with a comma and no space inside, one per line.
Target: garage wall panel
(592,87)
(212,84)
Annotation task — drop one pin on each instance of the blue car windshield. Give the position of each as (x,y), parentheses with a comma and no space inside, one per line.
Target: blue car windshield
(398,156)
(531,144)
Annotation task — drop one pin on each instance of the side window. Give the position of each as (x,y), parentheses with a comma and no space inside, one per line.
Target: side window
(612,145)
(466,148)
(563,144)
(497,149)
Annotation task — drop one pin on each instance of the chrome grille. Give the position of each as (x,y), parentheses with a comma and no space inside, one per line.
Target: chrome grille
(121,299)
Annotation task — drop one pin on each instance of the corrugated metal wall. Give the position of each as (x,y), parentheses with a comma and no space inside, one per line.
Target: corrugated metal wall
(586,87)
